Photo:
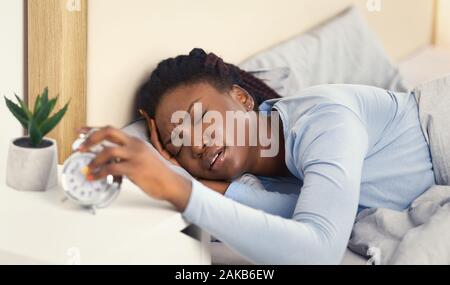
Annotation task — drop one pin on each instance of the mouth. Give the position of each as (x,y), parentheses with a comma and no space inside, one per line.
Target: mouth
(217,159)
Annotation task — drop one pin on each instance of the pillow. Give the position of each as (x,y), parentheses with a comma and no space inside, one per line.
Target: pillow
(139,129)
(342,50)
(276,78)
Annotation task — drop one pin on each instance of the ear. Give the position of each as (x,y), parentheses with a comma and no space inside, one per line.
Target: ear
(243,97)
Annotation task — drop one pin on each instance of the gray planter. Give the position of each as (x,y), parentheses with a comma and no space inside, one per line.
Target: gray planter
(32,169)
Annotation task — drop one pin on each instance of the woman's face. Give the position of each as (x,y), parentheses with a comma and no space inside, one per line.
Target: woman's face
(214,162)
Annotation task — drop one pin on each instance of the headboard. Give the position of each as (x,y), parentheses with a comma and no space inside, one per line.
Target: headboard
(126,39)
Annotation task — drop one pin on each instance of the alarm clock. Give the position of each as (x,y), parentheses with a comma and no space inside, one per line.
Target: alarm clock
(88,194)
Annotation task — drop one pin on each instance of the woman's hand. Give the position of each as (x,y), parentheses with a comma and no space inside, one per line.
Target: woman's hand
(132,158)
(218,186)
(154,139)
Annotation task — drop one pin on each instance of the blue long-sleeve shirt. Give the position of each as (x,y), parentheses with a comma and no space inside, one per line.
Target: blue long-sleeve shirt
(348,146)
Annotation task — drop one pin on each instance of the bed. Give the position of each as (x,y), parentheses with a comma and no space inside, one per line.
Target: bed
(423,65)
(162,30)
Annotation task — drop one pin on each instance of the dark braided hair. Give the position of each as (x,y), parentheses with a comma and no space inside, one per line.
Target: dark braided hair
(195,68)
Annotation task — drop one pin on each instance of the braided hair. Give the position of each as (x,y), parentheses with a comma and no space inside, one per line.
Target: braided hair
(198,67)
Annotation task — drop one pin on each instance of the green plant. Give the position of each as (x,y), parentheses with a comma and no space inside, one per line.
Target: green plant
(38,122)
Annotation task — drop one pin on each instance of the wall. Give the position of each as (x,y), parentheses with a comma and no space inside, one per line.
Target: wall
(443,23)
(11,71)
(126,39)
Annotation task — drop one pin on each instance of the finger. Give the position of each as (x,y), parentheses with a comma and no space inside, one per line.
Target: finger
(83,130)
(166,154)
(108,154)
(115,169)
(107,133)
(170,157)
(154,139)
(174,161)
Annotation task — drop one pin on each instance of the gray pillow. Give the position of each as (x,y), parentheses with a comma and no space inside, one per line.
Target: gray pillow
(276,78)
(342,50)
(139,129)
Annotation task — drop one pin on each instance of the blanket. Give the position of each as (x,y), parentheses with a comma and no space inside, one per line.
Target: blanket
(420,234)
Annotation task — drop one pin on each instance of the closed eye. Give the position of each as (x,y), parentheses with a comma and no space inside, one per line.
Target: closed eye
(168,146)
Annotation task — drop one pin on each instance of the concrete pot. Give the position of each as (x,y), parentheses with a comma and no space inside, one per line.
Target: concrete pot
(32,169)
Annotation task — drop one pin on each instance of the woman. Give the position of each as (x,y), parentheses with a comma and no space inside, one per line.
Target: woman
(347,145)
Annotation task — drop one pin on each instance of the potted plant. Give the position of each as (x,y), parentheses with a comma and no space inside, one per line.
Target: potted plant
(32,159)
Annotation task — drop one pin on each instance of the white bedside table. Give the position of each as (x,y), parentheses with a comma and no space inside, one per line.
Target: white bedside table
(38,228)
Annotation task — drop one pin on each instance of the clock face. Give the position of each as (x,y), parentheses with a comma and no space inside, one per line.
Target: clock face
(96,193)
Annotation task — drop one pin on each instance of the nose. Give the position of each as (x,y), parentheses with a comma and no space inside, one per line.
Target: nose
(202,154)
(198,150)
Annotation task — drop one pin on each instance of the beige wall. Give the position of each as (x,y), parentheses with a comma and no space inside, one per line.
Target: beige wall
(127,38)
(443,23)
(11,71)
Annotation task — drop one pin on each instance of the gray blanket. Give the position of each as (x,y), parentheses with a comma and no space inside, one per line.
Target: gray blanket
(420,234)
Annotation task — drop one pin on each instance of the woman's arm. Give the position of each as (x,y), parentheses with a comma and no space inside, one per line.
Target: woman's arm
(131,157)
(278,197)
(330,154)
(331,157)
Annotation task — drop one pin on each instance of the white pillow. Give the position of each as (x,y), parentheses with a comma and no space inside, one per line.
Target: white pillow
(342,50)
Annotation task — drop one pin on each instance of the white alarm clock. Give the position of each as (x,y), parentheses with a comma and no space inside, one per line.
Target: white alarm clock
(88,194)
